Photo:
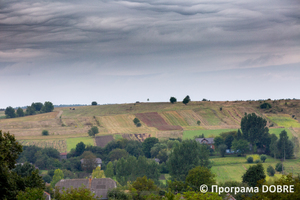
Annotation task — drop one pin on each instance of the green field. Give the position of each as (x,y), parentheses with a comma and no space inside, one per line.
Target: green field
(72,142)
(232,168)
(190,134)
(277,132)
(117,136)
(207,133)
(285,121)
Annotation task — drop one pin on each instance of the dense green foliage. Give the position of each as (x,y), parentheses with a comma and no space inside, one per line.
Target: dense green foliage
(10,112)
(173,100)
(14,179)
(187,155)
(94,103)
(198,176)
(271,170)
(265,106)
(93,131)
(254,174)
(255,131)
(148,144)
(186,100)
(20,112)
(45,132)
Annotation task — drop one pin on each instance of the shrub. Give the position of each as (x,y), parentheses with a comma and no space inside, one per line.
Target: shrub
(279,167)
(138,124)
(257,161)
(198,122)
(93,131)
(270,170)
(45,132)
(250,159)
(173,100)
(94,103)
(265,106)
(221,108)
(263,158)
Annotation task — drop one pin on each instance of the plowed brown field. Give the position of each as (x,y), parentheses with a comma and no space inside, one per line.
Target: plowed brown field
(102,141)
(153,119)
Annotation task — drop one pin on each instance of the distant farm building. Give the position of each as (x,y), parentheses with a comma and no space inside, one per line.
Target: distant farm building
(63,156)
(208,141)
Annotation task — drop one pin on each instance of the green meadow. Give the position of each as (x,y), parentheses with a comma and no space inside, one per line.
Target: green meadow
(72,142)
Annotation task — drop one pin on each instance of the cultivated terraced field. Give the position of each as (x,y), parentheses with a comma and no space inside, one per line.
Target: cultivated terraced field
(161,120)
(153,119)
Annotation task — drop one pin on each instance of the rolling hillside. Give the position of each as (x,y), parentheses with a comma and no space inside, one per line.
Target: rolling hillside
(161,120)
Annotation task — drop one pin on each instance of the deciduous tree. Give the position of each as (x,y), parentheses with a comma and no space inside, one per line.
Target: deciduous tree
(198,176)
(10,112)
(254,174)
(173,100)
(58,175)
(186,100)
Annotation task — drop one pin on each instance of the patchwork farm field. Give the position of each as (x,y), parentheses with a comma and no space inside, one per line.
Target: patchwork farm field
(161,119)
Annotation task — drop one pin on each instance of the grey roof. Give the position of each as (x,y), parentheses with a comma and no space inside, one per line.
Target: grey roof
(98,160)
(98,186)
(205,140)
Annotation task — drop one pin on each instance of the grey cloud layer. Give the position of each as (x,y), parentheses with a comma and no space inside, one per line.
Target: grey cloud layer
(123,35)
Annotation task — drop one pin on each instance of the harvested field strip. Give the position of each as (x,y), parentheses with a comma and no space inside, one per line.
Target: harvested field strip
(284,120)
(102,141)
(153,119)
(122,124)
(210,116)
(169,134)
(191,118)
(60,145)
(174,118)
(139,137)
(72,142)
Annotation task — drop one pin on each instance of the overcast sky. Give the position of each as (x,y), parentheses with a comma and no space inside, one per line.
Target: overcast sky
(122,51)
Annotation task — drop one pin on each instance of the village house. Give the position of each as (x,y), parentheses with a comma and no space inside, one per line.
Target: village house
(63,156)
(99,186)
(209,141)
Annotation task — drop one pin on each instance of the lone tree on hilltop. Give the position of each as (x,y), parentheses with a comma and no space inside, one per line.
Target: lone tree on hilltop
(94,103)
(48,107)
(173,100)
(10,112)
(20,112)
(186,100)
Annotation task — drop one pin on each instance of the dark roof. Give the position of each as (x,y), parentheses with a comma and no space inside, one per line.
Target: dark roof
(98,186)
(205,140)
